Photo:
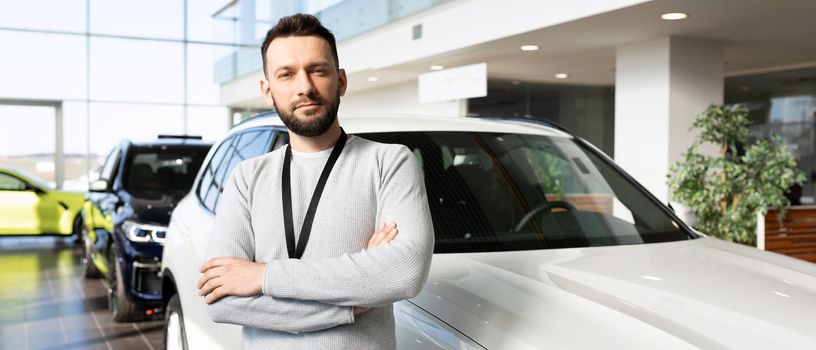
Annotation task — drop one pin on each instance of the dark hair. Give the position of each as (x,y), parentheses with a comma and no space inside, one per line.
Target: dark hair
(299,25)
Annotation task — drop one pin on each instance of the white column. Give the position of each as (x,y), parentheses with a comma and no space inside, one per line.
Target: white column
(59,151)
(660,86)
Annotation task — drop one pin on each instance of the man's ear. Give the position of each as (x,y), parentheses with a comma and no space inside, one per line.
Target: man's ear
(342,82)
(266,92)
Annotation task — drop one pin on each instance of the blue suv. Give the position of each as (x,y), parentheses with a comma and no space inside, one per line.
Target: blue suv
(126,214)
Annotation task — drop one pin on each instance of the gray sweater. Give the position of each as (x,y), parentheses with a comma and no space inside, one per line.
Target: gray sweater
(307,303)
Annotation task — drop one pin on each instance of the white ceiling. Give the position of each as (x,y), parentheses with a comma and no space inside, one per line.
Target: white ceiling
(757,35)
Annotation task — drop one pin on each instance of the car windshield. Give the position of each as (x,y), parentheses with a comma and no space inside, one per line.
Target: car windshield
(156,170)
(504,191)
(26,176)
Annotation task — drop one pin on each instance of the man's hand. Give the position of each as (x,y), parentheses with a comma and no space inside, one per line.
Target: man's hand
(230,276)
(383,234)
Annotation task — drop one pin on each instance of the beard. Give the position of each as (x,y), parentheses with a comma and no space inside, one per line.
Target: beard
(315,123)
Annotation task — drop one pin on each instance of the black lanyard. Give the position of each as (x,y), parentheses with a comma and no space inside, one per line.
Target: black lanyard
(286,190)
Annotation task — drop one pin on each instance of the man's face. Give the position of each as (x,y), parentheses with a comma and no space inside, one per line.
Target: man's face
(303,83)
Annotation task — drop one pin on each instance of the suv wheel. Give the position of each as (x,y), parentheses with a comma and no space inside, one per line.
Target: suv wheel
(77,229)
(122,309)
(89,270)
(175,338)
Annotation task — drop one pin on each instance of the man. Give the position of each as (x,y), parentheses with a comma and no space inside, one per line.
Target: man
(337,291)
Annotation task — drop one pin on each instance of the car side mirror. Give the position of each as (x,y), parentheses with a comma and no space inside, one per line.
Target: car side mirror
(99,185)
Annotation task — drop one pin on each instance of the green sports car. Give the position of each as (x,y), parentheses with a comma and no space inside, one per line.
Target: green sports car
(30,207)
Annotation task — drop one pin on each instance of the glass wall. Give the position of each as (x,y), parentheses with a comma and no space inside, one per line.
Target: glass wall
(783,103)
(586,111)
(134,69)
(37,157)
(246,22)
(118,69)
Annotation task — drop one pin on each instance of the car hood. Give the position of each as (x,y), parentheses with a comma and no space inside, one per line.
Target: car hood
(155,210)
(702,293)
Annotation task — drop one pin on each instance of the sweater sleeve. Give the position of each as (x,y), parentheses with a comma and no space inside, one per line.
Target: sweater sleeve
(232,236)
(380,276)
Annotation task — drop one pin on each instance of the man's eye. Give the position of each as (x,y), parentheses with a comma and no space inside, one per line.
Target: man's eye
(284,75)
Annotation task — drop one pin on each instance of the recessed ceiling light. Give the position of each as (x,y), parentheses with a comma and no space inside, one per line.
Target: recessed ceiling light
(673,16)
(437,67)
(373,79)
(529,47)
(561,76)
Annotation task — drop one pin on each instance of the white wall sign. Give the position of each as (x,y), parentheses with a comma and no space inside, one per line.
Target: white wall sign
(453,84)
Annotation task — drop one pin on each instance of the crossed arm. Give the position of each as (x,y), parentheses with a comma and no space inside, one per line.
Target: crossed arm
(372,277)
(236,281)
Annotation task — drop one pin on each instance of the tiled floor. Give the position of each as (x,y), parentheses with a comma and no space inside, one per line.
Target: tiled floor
(45,303)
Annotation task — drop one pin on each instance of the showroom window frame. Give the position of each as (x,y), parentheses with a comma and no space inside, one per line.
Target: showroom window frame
(59,152)
(59,156)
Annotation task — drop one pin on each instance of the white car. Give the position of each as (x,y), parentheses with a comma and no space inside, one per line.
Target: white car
(542,242)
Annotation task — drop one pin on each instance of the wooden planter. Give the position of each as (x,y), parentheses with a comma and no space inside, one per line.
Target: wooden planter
(795,236)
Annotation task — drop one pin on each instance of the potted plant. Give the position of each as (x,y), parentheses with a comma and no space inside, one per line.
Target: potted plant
(727,190)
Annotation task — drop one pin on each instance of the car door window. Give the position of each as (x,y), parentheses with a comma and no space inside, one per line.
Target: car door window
(243,146)
(206,186)
(11,183)
(253,144)
(250,144)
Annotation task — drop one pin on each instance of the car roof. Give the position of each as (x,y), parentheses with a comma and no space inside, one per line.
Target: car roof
(372,123)
(17,172)
(170,142)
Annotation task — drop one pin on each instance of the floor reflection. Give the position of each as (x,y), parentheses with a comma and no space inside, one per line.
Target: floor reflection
(45,303)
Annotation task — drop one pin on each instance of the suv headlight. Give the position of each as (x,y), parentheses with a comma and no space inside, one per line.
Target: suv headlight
(137,232)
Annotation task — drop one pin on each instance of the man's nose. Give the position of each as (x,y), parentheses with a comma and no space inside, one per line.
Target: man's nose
(305,85)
